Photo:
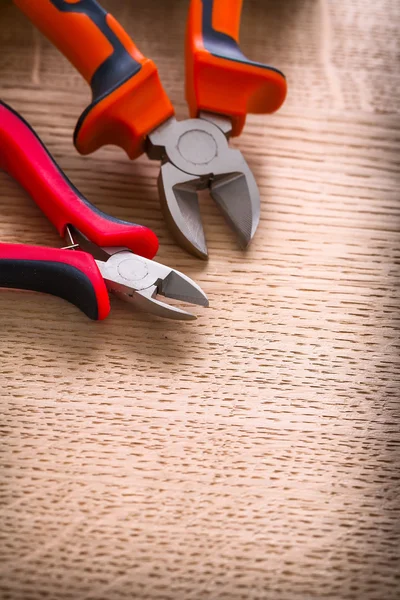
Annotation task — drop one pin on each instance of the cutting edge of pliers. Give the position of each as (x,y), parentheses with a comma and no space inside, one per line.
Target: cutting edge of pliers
(139,280)
(195,155)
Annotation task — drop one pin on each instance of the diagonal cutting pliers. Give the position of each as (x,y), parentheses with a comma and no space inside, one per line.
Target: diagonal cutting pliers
(112,255)
(131,109)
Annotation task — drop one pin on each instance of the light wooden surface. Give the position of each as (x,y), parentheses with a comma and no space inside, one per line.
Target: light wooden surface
(255,453)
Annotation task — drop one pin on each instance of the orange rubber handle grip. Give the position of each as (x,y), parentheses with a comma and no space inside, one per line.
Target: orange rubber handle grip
(128,98)
(219,77)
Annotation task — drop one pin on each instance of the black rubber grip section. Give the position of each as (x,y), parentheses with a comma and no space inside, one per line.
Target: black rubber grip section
(116,69)
(222,45)
(50,277)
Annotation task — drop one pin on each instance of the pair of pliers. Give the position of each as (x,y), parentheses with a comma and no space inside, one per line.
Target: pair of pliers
(112,254)
(131,109)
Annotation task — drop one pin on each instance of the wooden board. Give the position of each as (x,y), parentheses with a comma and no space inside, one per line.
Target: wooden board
(255,453)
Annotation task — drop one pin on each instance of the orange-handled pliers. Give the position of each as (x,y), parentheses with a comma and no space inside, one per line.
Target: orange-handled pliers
(131,109)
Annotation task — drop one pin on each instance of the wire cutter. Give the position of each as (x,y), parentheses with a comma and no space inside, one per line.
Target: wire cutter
(131,109)
(115,255)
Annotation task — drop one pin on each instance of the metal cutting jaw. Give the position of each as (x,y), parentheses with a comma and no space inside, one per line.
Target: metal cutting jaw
(195,155)
(138,280)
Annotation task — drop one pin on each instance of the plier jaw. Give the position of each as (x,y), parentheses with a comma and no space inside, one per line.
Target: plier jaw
(138,280)
(195,155)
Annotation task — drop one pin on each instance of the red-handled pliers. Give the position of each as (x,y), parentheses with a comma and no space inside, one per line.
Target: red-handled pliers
(116,254)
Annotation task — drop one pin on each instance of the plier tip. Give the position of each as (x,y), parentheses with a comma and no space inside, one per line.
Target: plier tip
(139,280)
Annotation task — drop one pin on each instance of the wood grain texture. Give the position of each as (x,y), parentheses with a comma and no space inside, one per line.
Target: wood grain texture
(254,454)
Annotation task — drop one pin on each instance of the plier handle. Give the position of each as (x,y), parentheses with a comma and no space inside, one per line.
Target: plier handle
(113,255)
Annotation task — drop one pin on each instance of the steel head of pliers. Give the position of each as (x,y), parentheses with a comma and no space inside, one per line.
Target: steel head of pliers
(196,155)
(138,280)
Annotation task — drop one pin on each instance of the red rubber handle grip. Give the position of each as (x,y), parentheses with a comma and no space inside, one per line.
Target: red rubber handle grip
(71,275)
(24,157)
